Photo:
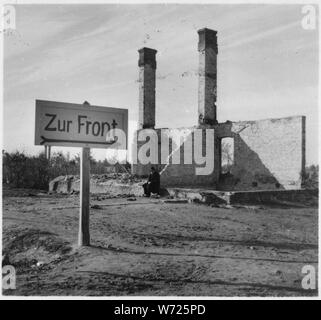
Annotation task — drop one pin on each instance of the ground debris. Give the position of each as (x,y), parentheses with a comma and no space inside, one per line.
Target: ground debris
(153,247)
(176,201)
(96,206)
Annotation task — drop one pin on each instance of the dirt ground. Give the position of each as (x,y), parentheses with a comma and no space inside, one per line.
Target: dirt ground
(147,247)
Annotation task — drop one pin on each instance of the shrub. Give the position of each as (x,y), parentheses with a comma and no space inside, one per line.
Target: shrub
(22,171)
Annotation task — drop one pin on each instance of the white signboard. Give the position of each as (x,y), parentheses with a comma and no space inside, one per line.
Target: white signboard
(79,125)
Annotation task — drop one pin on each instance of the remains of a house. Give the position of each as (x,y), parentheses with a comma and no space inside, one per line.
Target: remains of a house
(268,154)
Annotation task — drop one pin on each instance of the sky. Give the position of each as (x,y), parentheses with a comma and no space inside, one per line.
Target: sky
(267,64)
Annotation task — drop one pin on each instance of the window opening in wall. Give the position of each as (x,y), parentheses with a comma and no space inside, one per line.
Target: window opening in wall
(227,155)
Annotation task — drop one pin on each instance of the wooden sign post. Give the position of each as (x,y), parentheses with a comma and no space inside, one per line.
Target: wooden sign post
(84,198)
(84,235)
(85,126)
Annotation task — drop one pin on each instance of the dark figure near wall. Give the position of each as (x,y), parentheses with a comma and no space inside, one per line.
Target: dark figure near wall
(153,183)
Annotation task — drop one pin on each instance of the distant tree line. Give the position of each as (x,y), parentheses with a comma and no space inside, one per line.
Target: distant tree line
(24,171)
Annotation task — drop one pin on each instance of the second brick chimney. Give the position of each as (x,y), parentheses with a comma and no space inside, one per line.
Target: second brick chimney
(207,86)
(147,81)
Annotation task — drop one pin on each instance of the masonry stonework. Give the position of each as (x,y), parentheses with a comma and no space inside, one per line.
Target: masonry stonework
(207,88)
(268,154)
(147,79)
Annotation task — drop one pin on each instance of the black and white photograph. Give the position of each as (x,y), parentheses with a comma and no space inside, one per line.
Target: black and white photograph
(160,150)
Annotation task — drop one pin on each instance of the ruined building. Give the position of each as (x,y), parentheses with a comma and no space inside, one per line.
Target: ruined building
(268,154)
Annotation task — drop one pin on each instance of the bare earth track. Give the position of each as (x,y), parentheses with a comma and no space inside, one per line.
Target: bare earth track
(148,247)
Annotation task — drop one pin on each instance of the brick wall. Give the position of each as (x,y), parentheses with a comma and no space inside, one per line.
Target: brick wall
(268,155)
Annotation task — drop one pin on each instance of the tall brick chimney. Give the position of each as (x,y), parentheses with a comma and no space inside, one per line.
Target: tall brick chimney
(147,80)
(207,85)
